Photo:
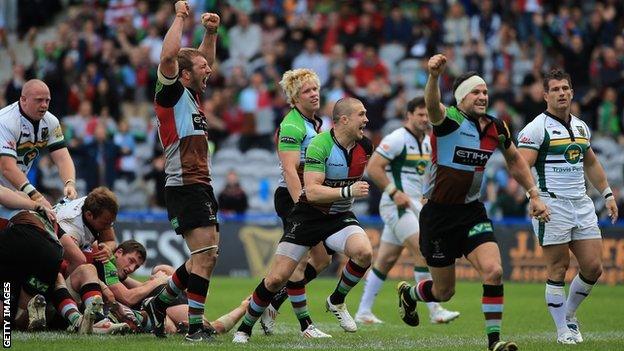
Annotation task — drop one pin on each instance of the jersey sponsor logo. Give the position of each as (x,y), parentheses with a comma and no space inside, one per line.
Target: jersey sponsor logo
(335,164)
(385,147)
(44,133)
(10,145)
(485,227)
(581,131)
(288,140)
(199,123)
(573,153)
(175,223)
(339,183)
(37,284)
(29,156)
(567,169)
(313,161)
(58,132)
(471,157)
(526,140)
(468,135)
(556,132)
(421,166)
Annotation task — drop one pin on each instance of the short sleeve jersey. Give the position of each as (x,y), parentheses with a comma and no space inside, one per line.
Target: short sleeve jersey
(183,133)
(341,167)
(24,139)
(294,134)
(561,148)
(409,159)
(69,218)
(460,151)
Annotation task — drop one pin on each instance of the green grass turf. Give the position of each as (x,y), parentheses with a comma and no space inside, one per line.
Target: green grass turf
(525,321)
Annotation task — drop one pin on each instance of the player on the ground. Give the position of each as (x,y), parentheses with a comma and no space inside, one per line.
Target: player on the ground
(453,222)
(398,167)
(558,145)
(334,165)
(88,223)
(191,205)
(30,255)
(297,129)
(27,128)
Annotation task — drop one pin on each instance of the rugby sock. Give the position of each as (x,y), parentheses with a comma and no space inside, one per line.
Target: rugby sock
(310,273)
(279,298)
(372,284)
(175,285)
(351,275)
(421,274)
(89,291)
(556,301)
(422,291)
(579,290)
(66,305)
(492,306)
(259,301)
(196,294)
(297,295)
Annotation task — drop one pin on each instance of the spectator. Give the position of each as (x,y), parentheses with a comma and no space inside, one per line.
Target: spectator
(100,157)
(311,58)
(369,68)
(245,39)
(232,198)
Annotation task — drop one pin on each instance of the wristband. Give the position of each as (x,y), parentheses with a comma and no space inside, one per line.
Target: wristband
(29,189)
(390,189)
(528,193)
(345,192)
(608,193)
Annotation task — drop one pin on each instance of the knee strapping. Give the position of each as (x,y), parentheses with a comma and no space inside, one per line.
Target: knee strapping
(207,248)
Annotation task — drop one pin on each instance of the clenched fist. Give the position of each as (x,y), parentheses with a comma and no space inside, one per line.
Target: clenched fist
(210,21)
(436,64)
(182,9)
(359,189)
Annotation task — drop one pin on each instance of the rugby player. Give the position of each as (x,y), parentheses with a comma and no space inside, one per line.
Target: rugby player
(296,130)
(191,205)
(557,144)
(398,168)
(453,222)
(334,166)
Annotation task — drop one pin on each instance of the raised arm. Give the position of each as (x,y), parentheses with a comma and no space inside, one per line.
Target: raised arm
(435,108)
(208,46)
(172,41)
(377,172)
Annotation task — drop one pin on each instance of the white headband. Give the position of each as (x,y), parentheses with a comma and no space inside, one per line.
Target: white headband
(466,87)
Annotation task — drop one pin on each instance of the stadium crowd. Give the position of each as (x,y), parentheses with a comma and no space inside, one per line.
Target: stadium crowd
(99,59)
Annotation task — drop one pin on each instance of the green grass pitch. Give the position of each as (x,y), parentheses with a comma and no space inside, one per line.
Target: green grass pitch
(525,321)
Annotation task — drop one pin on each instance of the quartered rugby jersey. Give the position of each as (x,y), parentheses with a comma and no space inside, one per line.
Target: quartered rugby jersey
(460,151)
(409,159)
(70,218)
(23,138)
(39,221)
(294,134)
(561,148)
(107,271)
(341,167)
(183,133)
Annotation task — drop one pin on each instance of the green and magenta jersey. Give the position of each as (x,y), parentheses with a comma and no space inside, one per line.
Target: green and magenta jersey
(341,167)
(460,151)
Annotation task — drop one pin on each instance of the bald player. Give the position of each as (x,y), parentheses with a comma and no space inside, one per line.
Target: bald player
(26,129)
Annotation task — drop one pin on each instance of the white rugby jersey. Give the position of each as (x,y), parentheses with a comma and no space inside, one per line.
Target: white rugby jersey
(69,218)
(409,160)
(24,139)
(560,150)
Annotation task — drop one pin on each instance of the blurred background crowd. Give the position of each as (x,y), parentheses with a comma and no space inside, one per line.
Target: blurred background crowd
(99,58)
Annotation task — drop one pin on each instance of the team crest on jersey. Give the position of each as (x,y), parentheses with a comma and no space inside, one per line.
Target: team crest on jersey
(199,123)
(45,133)
(581,131)
(573,153)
